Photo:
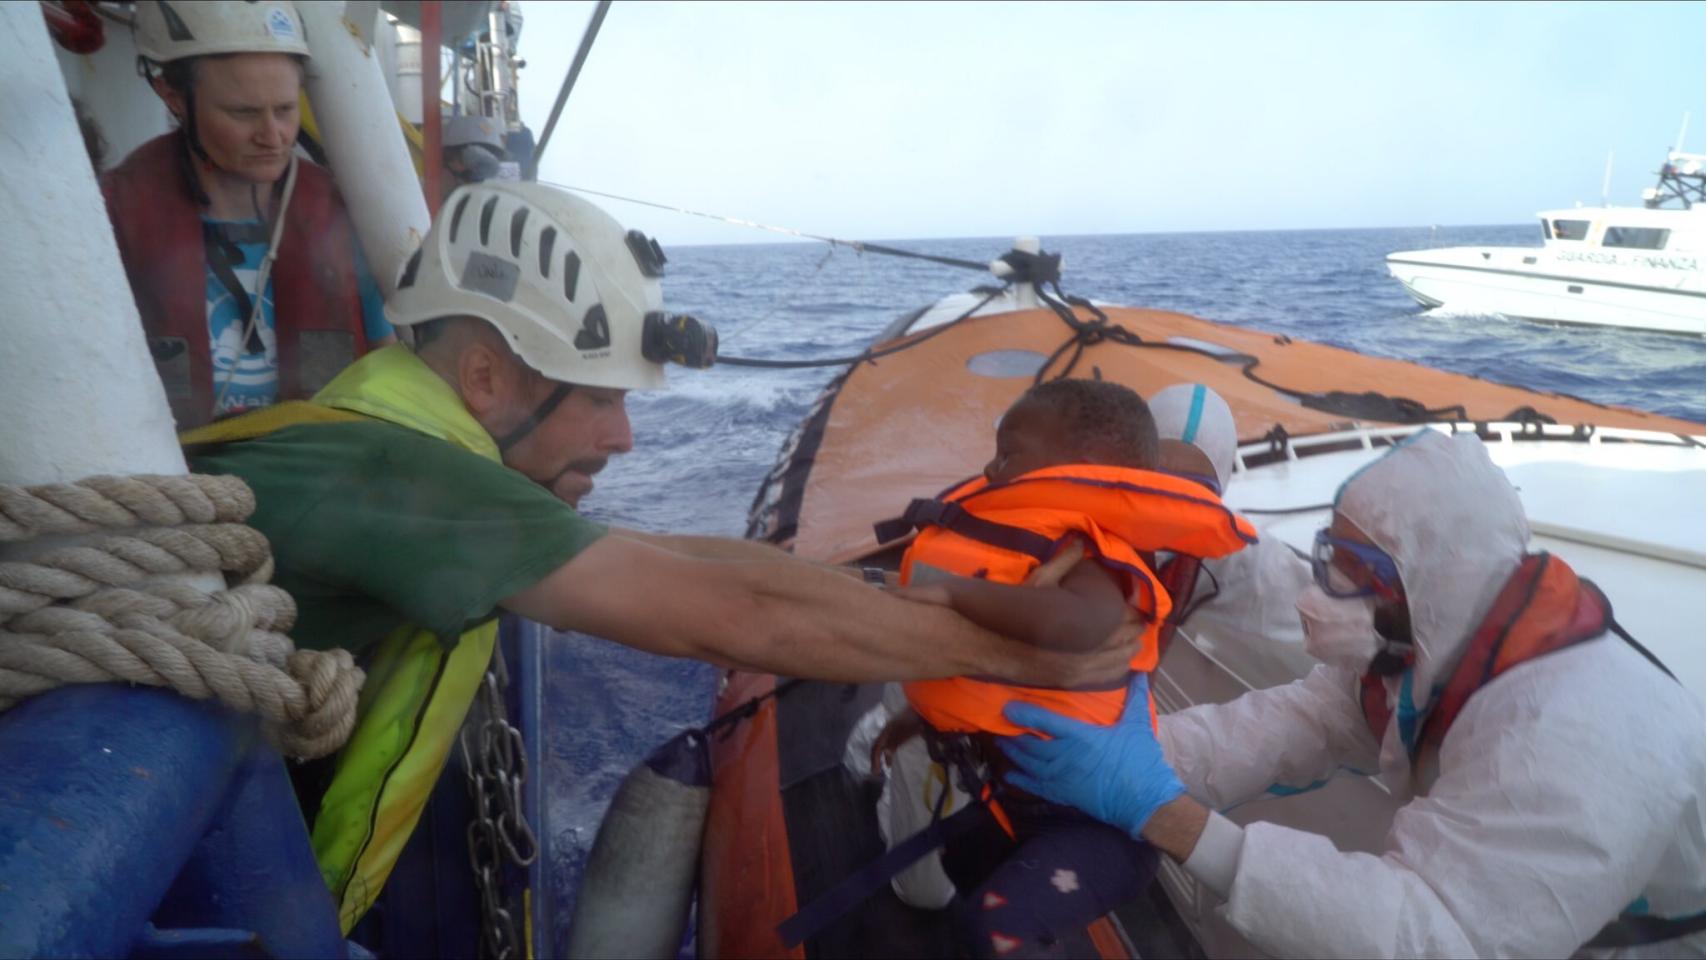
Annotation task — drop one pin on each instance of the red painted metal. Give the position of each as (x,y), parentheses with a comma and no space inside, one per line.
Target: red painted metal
(75,25)
(432,123)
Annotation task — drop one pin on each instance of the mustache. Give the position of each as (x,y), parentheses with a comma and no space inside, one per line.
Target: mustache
(589,466)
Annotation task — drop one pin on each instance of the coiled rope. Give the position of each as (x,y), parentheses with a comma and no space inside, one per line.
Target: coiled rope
(97,612)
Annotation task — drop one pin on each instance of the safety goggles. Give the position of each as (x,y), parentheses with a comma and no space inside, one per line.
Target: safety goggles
(1336,582)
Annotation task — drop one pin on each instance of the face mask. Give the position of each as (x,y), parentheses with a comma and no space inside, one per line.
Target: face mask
(1338,632)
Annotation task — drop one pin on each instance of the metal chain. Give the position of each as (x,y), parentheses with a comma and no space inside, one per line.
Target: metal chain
(496,764)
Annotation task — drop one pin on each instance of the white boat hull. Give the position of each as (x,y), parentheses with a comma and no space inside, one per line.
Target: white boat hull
(1632,290)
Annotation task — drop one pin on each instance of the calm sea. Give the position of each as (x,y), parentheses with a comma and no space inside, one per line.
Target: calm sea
(702,446)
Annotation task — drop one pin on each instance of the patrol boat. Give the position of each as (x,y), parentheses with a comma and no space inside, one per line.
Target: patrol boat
(1635,267)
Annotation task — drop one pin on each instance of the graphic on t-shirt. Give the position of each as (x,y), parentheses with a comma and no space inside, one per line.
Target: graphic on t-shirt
(245,363)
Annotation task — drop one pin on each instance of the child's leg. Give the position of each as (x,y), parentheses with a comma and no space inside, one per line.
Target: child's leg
(1067,870)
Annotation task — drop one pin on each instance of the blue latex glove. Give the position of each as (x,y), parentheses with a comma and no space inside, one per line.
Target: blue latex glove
(1115,774)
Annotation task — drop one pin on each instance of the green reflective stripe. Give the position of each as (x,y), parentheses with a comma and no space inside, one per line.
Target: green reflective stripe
(387,770)
(417,692)
(393,701)
(394,385)
(385,773)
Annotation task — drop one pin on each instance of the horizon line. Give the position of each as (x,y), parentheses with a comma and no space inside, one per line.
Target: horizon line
(785,241)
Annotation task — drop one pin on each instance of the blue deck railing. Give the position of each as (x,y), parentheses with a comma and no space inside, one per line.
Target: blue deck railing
(134,822)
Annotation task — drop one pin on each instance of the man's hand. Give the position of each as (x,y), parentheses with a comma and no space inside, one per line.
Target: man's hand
(1100,668)
(1115,774)
(934,593)
(1058,566)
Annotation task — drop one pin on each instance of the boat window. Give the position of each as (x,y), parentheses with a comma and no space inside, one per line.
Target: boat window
(1006,363)
(1545,229)
(1638,238)
(1571,229)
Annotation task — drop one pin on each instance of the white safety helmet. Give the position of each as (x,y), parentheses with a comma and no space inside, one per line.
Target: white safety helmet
(463,129)
(168,30)
(554,273)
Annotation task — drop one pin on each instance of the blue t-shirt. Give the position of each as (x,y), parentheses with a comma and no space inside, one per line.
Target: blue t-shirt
(245,373)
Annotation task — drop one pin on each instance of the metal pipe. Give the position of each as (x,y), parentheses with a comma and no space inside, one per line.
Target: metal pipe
(75,25)
(432,116)
(253,870)
(108,790)
(75,406)
(365,146)
(575,66)
(115,14)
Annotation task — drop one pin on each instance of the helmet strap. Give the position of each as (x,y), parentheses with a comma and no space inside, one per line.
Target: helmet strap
(192,138)
(537,417)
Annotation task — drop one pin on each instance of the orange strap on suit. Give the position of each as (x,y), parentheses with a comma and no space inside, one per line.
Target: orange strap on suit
(1544,607)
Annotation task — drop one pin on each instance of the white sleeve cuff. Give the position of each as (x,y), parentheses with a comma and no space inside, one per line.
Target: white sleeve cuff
(1214,861)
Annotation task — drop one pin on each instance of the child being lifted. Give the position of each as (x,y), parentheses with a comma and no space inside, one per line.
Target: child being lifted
(1075,461)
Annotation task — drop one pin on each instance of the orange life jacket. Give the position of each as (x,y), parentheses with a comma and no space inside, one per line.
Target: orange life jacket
(316,300)
(1543,608)
(1002,532)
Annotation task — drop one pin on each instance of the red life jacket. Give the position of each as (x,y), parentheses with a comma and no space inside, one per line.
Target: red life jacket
(316,301)
(1003,532)
(1544,607)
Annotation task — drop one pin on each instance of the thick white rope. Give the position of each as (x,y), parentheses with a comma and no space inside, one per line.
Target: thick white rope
(98,612)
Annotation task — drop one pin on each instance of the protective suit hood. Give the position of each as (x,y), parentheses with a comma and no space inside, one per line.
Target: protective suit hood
(1456,529)
(1192,413)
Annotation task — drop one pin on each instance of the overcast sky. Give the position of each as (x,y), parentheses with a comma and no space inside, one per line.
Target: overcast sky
(899,120)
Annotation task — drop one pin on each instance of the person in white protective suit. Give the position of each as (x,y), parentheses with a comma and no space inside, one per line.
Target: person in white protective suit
(1245,601)
(1552,775)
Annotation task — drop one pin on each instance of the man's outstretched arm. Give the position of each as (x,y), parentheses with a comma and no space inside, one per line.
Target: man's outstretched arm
(782,615)
(1078,613)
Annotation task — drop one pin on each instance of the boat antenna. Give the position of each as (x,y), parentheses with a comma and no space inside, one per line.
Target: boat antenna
(1605,186)
(858,246)
(1680,134)
(575,66)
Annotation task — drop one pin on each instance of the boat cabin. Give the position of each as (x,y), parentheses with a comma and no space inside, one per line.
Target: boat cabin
(1623,228)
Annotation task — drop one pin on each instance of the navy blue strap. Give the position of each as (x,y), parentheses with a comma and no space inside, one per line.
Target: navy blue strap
(897,527)
(538,416)
(840,899)
(952,516)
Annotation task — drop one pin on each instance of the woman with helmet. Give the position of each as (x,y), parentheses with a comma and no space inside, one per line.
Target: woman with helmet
(241,256)
(423,491)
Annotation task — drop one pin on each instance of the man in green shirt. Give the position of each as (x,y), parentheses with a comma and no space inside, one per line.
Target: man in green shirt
(421,493)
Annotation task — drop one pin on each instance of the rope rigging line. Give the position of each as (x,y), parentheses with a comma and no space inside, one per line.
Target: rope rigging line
(868,355)
(1369,405)
(858,246)
(97,612)
(813,278)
